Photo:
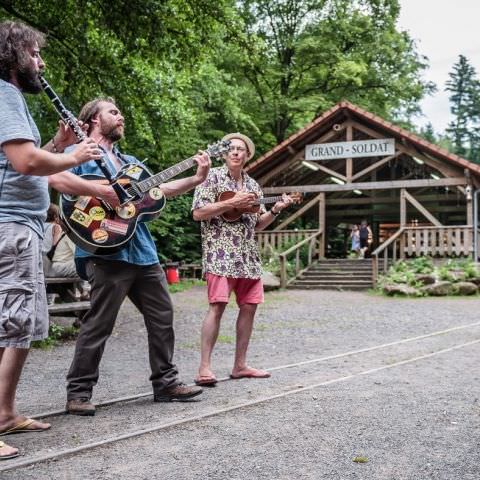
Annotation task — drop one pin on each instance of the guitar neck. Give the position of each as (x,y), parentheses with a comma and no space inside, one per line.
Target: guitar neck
(165,175)
(265,200)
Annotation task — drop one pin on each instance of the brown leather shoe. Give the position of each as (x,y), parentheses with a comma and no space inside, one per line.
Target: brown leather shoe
(180,392)
(80,406)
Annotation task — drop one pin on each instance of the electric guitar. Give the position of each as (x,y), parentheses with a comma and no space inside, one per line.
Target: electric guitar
(235,213)
(100,229)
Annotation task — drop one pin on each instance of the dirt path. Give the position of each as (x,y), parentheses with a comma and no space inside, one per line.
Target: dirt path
(392,381)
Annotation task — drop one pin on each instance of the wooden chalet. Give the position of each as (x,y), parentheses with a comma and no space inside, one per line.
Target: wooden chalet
(352,165)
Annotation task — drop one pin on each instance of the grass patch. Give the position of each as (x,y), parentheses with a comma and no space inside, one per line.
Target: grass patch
(225,339)
(360,459)
(184,285)
(56,333)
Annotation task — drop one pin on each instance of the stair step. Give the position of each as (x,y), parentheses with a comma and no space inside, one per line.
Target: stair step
(328,287)
(343,270)
(336,276)
(336,282)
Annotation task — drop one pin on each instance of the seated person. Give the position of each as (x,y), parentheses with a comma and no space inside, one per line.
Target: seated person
(59,251)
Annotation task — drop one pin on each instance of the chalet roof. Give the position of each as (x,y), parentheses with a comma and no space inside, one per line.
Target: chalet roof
(343,110)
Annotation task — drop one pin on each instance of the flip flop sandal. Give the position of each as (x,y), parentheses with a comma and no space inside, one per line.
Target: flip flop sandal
(7,457)
(22,428)
(205,381)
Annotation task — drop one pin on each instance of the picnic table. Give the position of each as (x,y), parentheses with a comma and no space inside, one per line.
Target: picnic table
(67,303)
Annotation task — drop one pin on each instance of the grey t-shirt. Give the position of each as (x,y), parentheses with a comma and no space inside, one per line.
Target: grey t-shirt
(23,198)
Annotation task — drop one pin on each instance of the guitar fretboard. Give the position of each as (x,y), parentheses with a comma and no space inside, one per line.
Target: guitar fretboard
(147,184)
(261,201)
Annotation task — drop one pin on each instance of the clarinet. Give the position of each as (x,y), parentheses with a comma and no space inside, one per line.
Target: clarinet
(72,122)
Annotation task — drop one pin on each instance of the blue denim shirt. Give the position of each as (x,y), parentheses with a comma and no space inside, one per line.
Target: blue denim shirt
(141,249)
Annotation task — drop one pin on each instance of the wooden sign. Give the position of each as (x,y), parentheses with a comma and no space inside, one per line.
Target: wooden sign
(354,149)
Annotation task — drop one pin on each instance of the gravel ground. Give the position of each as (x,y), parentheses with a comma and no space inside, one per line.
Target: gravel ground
(417,420)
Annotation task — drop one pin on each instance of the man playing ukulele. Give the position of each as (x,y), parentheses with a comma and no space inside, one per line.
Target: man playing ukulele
(230,254)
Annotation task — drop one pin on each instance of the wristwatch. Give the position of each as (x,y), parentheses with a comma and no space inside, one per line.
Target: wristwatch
(275,214)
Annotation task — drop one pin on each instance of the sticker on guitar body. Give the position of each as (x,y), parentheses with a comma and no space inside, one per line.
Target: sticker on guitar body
(81,218)
(126,211)
(115,227)
(134,172)
(97,213)
(155,193)
(99,235)
(82,203)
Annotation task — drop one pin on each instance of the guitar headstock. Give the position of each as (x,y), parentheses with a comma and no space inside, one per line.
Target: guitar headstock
(217,149)
(297,197)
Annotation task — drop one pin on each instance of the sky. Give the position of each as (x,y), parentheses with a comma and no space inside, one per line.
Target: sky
(443,30)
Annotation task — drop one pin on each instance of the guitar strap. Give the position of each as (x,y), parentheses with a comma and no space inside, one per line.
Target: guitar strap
(109,162)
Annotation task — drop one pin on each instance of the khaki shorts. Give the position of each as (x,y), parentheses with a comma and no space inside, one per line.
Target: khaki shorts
(23,300)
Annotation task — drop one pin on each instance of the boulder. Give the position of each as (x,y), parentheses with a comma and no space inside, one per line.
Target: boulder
(457,275)
(439,289)
(399,289)
(270,281)
(465,288)
(425,279)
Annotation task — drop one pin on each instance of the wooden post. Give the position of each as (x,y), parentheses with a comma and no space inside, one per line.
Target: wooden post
(403,208)
(403,221)
(349,161)
(283,271)
(321,223)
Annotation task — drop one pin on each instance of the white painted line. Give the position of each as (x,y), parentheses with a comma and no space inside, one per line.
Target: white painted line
(197,418)
(128,398)
(376,347)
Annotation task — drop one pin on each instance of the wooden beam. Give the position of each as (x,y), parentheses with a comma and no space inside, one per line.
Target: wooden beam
(388,211)
(443,167)
(443,182)
(279,168)
(422,209)
(374,166)
(299,212)
(298,157)
(370,200)
(332,172)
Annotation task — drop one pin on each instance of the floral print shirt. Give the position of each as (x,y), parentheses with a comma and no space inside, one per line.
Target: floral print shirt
(229,249)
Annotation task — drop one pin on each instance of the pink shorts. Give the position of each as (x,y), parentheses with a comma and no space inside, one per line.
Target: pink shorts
(247,290)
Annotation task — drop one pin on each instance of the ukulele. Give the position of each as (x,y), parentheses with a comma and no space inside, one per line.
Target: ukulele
(235,213)
(100,229)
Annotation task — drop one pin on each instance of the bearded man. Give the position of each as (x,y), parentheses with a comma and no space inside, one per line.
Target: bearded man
(133,272)
(24,201)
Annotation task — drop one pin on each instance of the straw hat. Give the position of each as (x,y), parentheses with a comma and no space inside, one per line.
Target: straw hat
(250,145)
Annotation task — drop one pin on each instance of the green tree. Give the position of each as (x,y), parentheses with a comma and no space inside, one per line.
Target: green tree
(301,57)
(464,129)
(145,54)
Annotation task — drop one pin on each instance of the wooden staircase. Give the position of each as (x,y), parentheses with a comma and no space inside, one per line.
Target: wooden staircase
(336,274)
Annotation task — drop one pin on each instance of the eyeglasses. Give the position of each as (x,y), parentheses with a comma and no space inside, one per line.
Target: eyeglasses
(238,149)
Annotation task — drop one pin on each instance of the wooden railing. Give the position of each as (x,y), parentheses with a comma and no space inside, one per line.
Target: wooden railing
(314,243)
(276,239)
(443,241)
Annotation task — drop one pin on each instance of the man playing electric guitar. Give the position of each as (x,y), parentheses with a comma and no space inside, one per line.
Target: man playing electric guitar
(133,271)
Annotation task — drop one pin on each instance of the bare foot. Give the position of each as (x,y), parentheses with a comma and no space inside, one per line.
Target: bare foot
(6,451)
(205,372)
(205,378)
(249,372)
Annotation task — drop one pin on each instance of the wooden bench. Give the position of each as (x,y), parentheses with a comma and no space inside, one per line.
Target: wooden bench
(190,271)
(67,303)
